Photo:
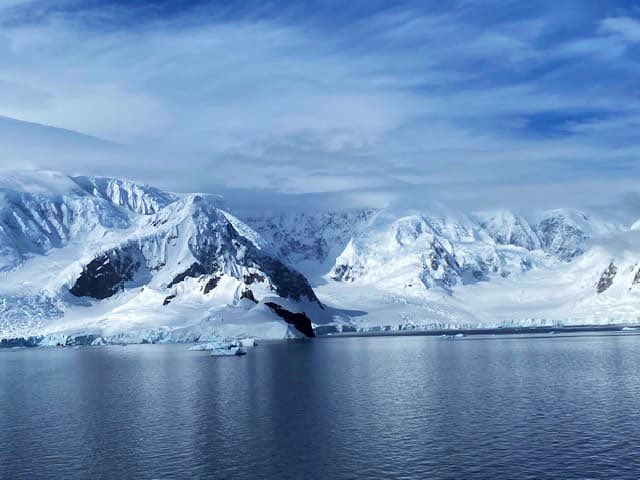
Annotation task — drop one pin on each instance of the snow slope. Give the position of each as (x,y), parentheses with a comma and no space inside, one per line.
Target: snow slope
(109,257)
(112,260)
(447,269)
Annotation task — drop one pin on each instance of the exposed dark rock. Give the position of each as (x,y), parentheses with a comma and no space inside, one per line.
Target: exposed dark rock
(106,274)
(194,271)
(211,284)
(168,299)
(636,278)
(606,279)
(441,253)
(288,283)
(342,272)
(298,320)
(248,294)
(252,278)
(477,274)
(440,268)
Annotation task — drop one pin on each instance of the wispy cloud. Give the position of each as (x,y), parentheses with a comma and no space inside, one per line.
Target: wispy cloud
(410,100)
(628,28)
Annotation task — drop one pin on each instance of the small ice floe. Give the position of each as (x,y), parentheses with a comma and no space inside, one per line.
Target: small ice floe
(222,352)
(629,329)
(208,346)
(224,347)
(451,337)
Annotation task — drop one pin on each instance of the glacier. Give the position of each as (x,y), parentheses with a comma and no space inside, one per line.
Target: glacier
(94,260)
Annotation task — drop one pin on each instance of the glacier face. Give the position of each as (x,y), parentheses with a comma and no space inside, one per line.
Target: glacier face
(103,258)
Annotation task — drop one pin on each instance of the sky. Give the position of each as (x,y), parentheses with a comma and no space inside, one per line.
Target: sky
(468,103)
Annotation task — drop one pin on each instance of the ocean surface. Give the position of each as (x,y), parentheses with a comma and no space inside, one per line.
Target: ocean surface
(503,407)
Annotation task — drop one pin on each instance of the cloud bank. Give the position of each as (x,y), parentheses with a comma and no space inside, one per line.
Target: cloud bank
(496,103)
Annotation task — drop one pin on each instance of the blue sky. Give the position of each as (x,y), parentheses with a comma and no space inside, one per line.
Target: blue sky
(471,102)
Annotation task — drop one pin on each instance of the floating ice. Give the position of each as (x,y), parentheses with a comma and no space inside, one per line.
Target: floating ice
(209,346)
(221,352)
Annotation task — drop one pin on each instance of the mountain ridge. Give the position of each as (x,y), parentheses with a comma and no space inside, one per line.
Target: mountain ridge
(136,247)
(117,259)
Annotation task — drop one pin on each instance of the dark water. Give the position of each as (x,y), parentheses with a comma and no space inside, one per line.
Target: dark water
(409,407)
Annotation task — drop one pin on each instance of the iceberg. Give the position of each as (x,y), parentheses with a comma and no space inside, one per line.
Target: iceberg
(224,347)
(223,352)
(209,346)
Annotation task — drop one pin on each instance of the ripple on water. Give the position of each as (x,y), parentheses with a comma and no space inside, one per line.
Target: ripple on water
(357,408)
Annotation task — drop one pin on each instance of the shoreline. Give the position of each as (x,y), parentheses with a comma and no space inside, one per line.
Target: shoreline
(487,331)
(34,342)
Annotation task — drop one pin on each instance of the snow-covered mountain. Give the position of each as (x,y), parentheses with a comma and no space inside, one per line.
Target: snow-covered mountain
(311,241)
(111,259)
(445,269)
(108,257)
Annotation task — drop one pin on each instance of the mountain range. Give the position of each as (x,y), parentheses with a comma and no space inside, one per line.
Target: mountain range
(94,260)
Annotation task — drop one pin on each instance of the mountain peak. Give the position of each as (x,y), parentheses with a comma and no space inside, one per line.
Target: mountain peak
(139,198)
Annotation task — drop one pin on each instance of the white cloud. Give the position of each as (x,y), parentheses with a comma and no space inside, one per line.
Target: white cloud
(391,105)
(627,27)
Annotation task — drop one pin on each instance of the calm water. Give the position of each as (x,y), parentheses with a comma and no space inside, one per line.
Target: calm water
(390,407)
